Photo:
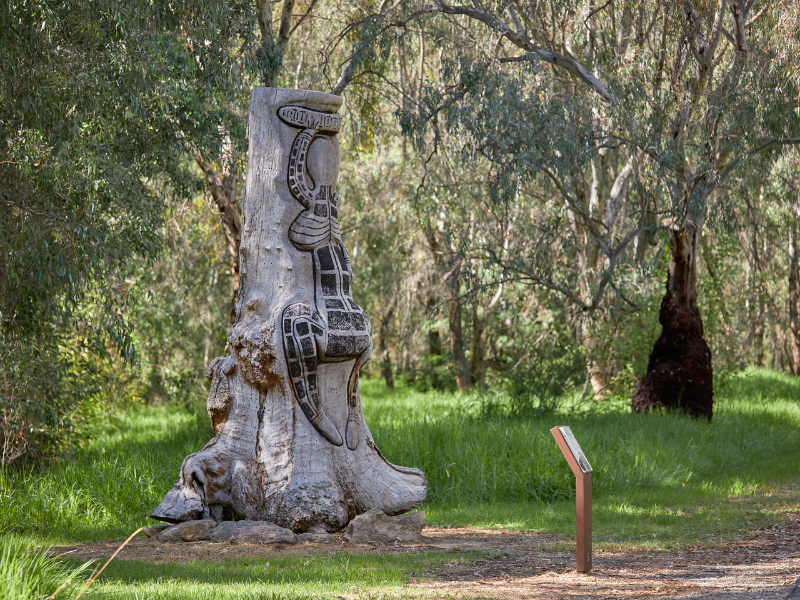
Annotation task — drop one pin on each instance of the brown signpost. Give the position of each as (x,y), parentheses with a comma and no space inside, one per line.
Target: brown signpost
(583,494)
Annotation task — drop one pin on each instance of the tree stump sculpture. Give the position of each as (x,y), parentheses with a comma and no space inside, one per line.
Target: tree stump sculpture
(291,444)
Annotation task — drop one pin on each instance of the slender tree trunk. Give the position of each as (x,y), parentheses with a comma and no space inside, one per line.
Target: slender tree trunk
(386,361)
(456,336)
(679,373)
(598,364)
(715,281)
(291,444)
(794,292)
(434,346)
(477,366)
(476,348)
(450,268)
(434,335)
(758,332)
(777,353)
(224,188)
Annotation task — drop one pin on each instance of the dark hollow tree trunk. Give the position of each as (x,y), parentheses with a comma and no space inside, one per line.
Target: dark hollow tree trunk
(679,373)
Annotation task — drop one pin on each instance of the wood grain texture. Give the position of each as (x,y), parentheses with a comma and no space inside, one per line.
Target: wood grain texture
(269,461)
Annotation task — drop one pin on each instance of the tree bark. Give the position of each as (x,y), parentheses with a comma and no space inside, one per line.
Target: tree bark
(434,346)
(291,444)
(224,190)
(386,360)
(794,292)
(679,373)
(477,357)
(599,366)
(715,281)
(456,335)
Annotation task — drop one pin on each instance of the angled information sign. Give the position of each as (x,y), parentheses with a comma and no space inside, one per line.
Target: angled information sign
(583,494)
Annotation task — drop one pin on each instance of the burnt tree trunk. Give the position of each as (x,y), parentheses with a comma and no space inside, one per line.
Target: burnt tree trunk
(291,444)
(679,372)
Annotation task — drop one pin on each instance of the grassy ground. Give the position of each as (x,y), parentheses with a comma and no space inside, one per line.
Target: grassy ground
(663,479)
(660,480)
(278,578)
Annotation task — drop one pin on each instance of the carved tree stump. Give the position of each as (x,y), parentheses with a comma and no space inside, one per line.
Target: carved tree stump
(291,444)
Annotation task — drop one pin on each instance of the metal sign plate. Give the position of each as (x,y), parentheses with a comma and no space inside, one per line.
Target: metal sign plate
(572,443)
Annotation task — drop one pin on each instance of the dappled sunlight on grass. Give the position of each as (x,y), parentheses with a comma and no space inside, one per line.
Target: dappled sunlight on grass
(487,472)
(270,577)
(108,490)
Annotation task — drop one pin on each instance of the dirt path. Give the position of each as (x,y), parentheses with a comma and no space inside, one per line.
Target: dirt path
(766,565)
(763,566)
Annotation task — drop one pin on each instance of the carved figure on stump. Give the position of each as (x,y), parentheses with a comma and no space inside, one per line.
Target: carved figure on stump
(334,328)
(299,341)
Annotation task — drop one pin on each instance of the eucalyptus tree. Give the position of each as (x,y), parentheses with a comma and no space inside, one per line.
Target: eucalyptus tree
(100,102)
(647,112)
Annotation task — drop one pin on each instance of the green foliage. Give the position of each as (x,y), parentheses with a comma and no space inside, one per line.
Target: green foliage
(102,106)
(33,575)
(181,322)
(108,490)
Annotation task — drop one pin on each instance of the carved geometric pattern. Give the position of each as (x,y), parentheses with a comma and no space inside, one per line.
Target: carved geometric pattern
(333,328)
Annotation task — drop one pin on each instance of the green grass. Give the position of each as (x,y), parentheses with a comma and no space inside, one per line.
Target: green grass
(273,578)
(659,480)
(28,575)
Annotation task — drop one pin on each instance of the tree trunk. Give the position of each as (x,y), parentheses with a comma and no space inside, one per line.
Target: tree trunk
(599,366)
(794,292)
(477,357)
(723,306)
(434,346)
(456,336)
(476,362)
(291,444)
(434,335)
(386,360)
(679,371)
(224,190)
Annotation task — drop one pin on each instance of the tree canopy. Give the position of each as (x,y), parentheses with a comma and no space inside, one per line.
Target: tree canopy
(517,180)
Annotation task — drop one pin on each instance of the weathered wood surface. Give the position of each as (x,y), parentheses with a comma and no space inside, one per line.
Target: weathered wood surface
(292,449)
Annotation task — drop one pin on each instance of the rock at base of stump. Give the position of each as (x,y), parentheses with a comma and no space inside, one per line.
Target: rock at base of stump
(188,531)
(250,532)
(154,532)
(316,535)
(375,526)
(238,532)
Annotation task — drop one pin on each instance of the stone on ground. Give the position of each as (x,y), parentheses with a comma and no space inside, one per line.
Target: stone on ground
(375,526)
(252,532)
(316,535)
(154,532)
(188,531)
